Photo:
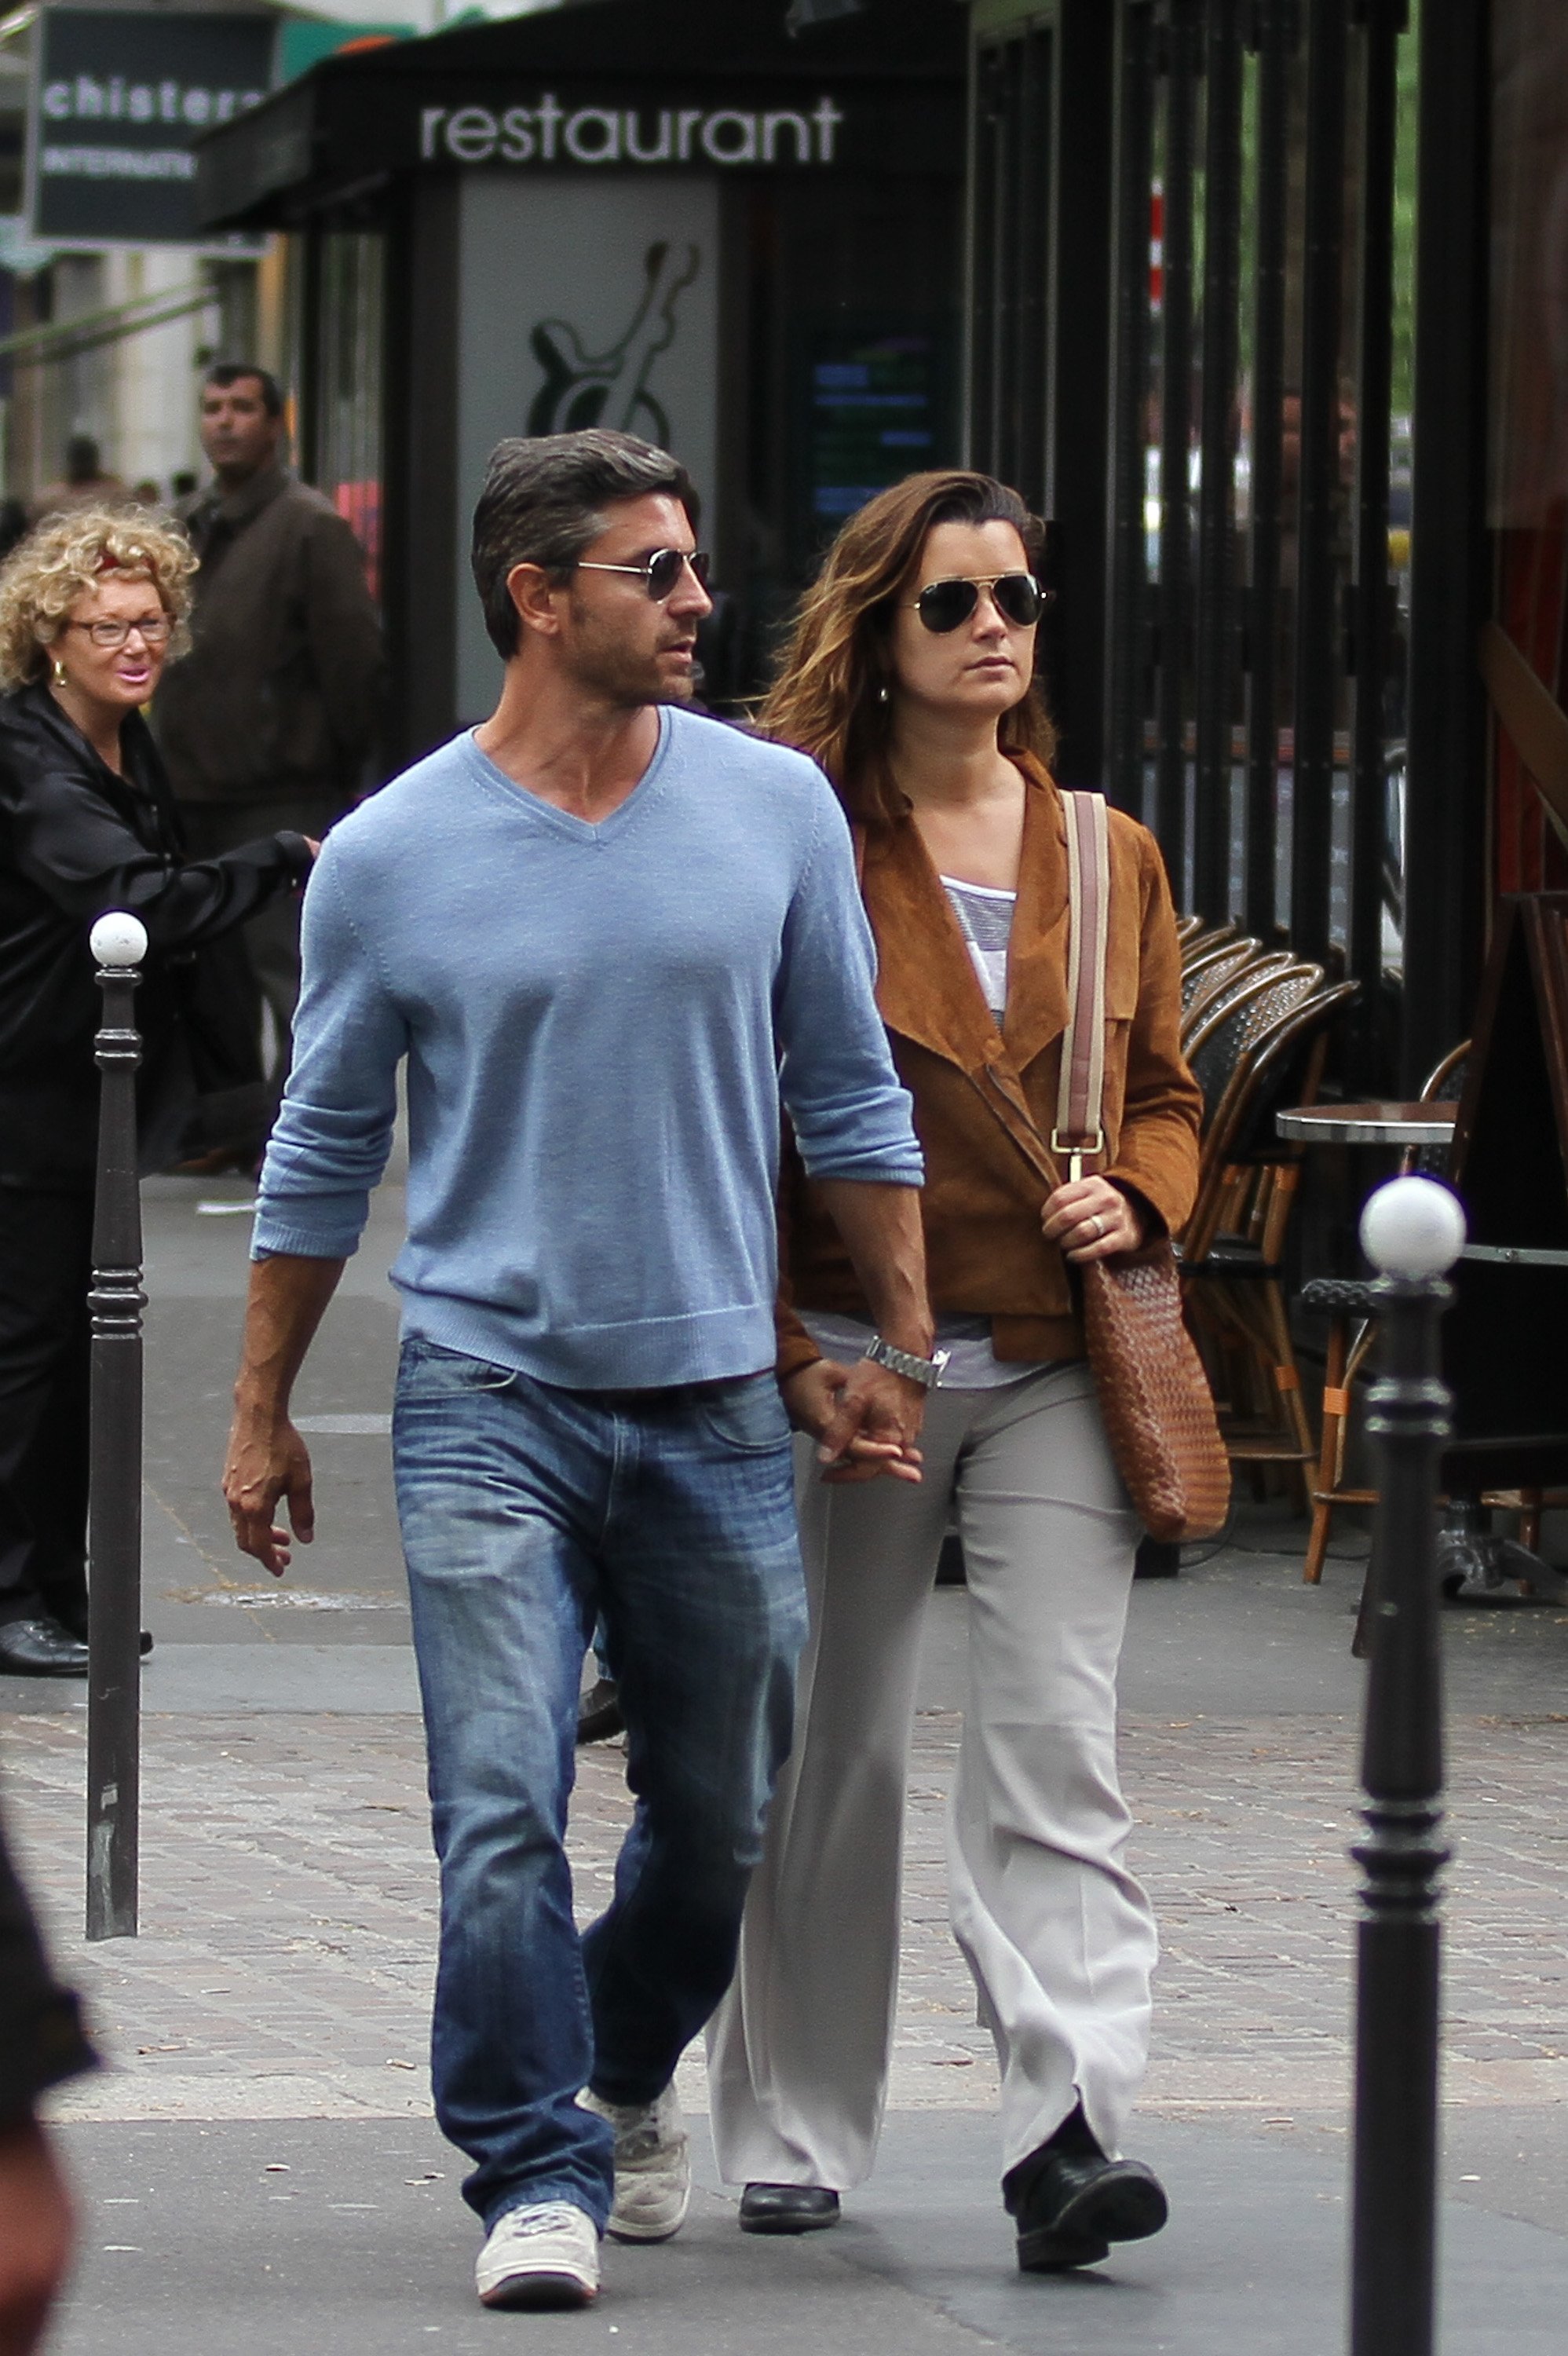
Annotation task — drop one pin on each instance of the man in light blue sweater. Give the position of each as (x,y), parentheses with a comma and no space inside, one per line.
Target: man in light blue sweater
(604,933)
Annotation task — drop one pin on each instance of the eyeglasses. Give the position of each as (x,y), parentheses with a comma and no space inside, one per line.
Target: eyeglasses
(154,629)
(1019,597)
(662,570)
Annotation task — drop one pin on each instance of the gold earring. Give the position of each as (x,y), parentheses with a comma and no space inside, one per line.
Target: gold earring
(60,672)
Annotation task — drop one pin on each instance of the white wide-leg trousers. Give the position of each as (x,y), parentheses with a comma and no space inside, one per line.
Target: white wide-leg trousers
(1058,1934)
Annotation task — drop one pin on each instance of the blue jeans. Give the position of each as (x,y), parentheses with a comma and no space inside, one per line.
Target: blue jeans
(526,1510)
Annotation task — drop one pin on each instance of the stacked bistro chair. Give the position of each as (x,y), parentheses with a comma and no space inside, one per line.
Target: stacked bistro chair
(1223,985)
(1205,975)
(1257,1042)
(1200,951)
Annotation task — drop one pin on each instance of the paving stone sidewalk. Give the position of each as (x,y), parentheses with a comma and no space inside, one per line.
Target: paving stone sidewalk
(285,1960)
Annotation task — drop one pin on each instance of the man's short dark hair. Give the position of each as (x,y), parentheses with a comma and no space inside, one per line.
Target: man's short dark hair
(223,373)
(542,505)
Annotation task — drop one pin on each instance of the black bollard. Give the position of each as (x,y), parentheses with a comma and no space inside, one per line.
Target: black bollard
(1412,1231)
(114,1541)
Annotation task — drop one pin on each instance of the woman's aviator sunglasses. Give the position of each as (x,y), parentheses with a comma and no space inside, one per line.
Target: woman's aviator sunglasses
(945,606)
(661,571)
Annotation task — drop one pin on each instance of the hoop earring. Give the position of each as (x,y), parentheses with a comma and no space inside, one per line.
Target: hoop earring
(61,674)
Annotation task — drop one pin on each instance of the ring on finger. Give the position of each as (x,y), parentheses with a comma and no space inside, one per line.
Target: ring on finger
(1099,1226)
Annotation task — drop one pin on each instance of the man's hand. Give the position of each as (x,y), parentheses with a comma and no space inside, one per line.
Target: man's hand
(864,1419)
(36,2232)
(1090,1219)
(267,1460)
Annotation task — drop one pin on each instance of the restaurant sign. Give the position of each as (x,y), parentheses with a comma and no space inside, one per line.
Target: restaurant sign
(346,125)
(549,132)
(119,99)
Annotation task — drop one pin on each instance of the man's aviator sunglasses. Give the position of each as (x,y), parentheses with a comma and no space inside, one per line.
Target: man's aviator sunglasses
(945,606)
(660,572)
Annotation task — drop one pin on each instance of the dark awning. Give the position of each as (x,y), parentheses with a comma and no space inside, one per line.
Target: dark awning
(597,85)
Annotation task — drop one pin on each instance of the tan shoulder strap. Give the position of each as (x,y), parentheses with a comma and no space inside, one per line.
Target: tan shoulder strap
(1079,1134)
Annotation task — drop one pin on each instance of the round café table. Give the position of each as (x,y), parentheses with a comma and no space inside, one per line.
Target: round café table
(1369,1124)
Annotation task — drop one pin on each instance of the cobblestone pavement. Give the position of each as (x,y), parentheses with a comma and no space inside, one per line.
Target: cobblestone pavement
(285,1965)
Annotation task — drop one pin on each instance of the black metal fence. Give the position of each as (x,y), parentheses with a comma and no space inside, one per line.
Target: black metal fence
(1241,176)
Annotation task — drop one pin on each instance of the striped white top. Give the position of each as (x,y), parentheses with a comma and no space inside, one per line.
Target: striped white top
(985,920)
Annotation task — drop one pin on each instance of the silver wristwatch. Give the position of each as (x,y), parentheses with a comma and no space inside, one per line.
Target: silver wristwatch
(927,1372)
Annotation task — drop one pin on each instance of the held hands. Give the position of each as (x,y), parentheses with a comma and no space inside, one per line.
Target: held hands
(864,1419)
(268,1460)
(1090,1219)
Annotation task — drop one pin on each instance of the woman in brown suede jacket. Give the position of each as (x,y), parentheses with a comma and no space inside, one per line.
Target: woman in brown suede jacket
(911,678)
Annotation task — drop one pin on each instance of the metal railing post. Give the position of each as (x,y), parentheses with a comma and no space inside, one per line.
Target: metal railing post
(115,1542)
(1412,1231)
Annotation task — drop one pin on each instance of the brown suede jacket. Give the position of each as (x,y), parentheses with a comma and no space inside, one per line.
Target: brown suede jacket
(977,1088)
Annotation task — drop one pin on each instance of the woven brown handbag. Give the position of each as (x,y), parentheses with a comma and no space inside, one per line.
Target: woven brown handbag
(1154,1395)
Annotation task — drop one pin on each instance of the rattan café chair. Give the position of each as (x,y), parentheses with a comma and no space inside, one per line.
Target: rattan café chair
(1219,985)
(1266,1051)
(1218,959)
(1202,952)
(1232,1025)
(1196,933)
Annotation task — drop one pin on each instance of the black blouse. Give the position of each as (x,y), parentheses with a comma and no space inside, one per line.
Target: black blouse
(76,841)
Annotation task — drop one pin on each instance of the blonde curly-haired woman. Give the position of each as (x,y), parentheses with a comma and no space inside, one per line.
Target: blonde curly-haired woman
(92,605)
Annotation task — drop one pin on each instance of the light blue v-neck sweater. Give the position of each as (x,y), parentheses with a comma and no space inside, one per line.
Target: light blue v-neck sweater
(598,1023)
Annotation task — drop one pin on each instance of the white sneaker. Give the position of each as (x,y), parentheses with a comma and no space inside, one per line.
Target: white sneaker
(653,2167)
(543,2255)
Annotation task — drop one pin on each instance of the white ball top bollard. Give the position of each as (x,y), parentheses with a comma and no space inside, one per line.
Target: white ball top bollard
(1412,1228)
(118,940)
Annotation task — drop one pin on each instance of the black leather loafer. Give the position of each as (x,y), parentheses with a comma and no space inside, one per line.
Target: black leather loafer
(599,1712)
(1077,2205)
(40,1648)
(787,2209)
(76,1623)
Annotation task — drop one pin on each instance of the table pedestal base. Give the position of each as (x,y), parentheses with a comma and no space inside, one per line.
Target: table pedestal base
(1475,1565)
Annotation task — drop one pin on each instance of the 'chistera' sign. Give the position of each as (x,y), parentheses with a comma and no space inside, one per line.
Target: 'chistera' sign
(549,132)
(120,97)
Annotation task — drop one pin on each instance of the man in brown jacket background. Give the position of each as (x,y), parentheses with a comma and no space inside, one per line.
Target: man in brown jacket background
(270,722)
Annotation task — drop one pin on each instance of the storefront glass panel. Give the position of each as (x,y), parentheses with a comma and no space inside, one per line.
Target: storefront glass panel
(348,459)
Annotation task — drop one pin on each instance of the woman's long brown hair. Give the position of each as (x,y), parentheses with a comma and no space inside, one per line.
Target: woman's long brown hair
(825,699)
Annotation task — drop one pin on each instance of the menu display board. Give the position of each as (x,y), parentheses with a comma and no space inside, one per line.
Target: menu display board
(876,409)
